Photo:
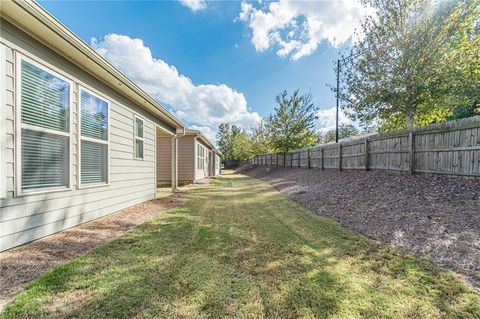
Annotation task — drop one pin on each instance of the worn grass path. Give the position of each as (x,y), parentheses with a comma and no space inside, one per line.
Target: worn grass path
(240,249)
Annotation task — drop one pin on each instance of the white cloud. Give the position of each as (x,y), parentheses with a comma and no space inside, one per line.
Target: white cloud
(194,5)
(296,28)
(327,117)
(204,105)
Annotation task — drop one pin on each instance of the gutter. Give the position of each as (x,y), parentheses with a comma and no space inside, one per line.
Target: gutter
(25,14)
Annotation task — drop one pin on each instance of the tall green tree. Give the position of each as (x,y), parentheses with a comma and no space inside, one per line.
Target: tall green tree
(233,142)
(396,75)
(292,125)
(260,139)
(462,68)
(224,140)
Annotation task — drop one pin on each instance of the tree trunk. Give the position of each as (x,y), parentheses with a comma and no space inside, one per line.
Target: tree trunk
(410,122)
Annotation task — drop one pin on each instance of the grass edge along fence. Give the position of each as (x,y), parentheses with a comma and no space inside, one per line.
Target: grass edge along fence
(449,148)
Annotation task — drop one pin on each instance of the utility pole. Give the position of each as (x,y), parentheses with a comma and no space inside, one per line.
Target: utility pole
(338,87)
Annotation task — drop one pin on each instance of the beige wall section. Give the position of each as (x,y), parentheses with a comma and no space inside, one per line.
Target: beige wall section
(164,160)
(186,160)
(23,219)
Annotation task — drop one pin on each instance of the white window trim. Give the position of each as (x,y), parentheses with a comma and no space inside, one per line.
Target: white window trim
(19,125)
(90,139)
(201,156)
(3,123)
(135,137)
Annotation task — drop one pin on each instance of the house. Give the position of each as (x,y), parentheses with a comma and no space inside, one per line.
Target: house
(197,158)
(78,139)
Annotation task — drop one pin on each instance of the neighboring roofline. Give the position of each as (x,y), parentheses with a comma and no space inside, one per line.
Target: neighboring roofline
(201,136)
(33,19)
(205,140)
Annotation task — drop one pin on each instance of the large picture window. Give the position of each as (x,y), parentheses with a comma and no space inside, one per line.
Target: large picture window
(200,156)
(139,139)
(94,129)
(44,129)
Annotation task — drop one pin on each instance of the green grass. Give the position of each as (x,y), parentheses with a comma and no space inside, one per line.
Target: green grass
(240,249)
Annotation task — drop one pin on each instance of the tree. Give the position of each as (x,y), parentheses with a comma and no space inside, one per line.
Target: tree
(260,139)
(396,74)
(462,68)
(224,140)
(292,124)
(344,131)
(233,142)
(241,149)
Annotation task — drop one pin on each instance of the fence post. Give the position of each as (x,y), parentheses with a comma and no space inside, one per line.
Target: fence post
(340,157)
(412,152)
(299,158)
(321,156)
(291,159)
(308,158)
(366,154)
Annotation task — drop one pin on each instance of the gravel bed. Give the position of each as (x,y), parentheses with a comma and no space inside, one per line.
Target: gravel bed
(19,266)
(433,216)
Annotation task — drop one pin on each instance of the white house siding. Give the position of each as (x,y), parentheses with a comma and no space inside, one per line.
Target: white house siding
(201,173)
(218,162)
(28,217)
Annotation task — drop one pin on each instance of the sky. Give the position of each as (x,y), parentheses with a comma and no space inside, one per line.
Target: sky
(220,61)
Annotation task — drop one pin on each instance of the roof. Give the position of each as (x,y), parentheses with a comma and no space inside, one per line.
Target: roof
(34,20)
(204,140)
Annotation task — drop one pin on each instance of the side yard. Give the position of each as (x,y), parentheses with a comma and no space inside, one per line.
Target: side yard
(238,248)
(433,216)
(21,265)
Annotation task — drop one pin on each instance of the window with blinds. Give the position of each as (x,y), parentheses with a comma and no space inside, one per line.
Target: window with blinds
(139,139)
(94,126)
(45,128)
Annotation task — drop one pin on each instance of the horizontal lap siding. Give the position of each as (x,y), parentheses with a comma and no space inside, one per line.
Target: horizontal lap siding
(26,218)
(186,158)
(164,160)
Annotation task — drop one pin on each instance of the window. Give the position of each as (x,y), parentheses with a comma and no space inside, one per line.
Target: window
(94,126)
(44,128)
(139,141)
(200,157)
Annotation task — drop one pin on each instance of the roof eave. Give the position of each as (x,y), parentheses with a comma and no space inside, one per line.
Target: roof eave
(31,18)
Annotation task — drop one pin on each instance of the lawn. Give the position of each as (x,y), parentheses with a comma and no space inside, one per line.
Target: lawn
(238,248)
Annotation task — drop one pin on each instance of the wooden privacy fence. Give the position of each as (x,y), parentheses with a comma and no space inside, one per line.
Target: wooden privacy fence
(451,148)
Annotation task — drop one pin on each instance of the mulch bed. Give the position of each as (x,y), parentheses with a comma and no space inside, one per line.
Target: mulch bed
(19,266)
(433,216)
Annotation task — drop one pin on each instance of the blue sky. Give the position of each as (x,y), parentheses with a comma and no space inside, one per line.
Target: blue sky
(227,55)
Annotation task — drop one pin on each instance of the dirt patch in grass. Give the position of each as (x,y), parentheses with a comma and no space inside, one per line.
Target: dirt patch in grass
(433,216)
(19,266)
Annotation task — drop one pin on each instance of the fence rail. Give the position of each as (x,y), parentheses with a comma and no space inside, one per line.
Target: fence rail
(450,148)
